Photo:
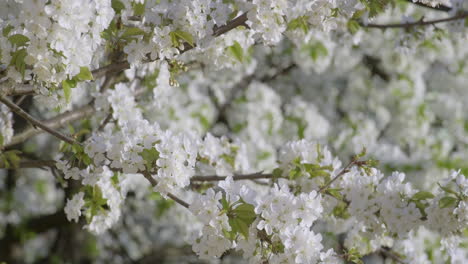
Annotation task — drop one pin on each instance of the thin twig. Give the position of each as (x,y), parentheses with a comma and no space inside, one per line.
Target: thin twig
(170,195)
(341,173)
(60,121)
(21,99)
(438,7)
(252,176)
(392,255)
(53,123)
(417,23)
(36,122)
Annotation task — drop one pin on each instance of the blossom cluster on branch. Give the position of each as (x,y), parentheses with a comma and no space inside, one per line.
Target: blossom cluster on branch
(271,131)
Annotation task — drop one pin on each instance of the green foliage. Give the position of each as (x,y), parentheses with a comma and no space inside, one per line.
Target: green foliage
(138,8)
(299,23)
(316,50)
(310,169)
(84,75)
(300,123)
(17,60)
(422,195)
(341,211)
(162,204)
(375,7)
(447,201)
(18,40)
(240,216)
(353,26)
(178,37)
(236,51)
(94,201)
(118,6)
(6,30)
(131,32)
(67,86)
(230,159)
(149,156)
(10,159)
(352,255)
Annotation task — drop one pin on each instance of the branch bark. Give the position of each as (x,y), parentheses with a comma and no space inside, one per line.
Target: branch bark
(439,7)
(36,122)
(417,23)
(252,176)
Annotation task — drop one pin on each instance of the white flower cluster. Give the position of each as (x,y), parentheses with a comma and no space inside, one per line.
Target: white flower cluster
(49,41)
(6,125)
(278,223)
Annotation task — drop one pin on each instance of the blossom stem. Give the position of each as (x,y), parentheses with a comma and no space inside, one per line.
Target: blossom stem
(341,173)
(421,22)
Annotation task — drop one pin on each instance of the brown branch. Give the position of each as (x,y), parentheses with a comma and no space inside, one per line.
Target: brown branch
(417,23)
(53,123)
(438,7)
(36,122)
(341,173)
(60,121)
(238,21)
(252,176)
(170,195)
(388,253)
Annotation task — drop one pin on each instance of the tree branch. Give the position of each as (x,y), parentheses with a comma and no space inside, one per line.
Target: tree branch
(36,122)
(117,67)
(170,195)
(417,23)
(53,123)
(252,176)
(440,7)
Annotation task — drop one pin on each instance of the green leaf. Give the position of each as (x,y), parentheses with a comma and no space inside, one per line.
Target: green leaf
(133,31)
(447,201)
(118,6)
(447,189)
(178,36)
(138,9)
(17,60)
(422,195)
(375,7)
(67,86)
(229,159)
(358,14)
(317,50)
(150,156)
(12,158)
(277,173)
(6,30)
(84,75)
(1,139)
(18,40)
(245,212)
(335,193)
(299,23)
(236,51)
(353,26)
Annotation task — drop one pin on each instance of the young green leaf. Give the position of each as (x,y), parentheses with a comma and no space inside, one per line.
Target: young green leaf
(236,51)
(447,201)
(18,40)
